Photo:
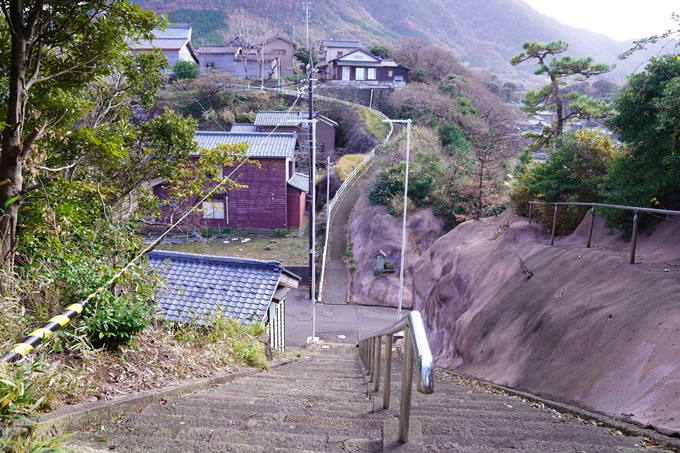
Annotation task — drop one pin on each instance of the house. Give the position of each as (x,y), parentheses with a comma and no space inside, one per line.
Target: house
(332,49)
(197,287)
(175,42)
(283,49)
(326,129)
(362,67)
(269,202)
(243,58)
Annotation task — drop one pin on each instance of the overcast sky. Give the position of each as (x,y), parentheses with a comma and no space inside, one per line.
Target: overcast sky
(618,19)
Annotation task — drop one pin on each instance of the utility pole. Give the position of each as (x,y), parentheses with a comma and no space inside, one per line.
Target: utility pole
(311,194)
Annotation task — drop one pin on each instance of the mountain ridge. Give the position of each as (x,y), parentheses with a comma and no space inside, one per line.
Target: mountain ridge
(484,35)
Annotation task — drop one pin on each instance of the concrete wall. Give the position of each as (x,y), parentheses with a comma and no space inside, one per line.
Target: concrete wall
(360,96)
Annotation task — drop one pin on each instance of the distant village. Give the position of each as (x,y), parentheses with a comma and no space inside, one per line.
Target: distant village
(342,62)
(276,138)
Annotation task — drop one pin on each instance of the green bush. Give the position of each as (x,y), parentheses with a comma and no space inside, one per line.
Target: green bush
(112,321)
(573,172)
(185,70)
(390,182)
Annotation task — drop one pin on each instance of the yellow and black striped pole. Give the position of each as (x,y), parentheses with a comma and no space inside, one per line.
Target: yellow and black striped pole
(35,338)
(21,349)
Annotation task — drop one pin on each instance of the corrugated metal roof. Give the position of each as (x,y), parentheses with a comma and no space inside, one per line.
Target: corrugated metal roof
(198,286)
(243,127)
(340,43)
(171,38)
(176,31)
(300,182)
(260,144)
(276,118)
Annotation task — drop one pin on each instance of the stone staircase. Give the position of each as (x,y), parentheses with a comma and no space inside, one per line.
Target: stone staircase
(320,403)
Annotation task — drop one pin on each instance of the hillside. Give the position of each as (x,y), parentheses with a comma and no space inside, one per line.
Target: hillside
(483,34)
(586,328)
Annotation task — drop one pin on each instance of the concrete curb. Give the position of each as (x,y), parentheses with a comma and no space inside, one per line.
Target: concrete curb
(628,428)
(80,416)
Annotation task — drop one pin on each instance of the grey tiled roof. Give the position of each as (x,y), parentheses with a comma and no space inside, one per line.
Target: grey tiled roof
(260,144)
(197,286)
(243,127)
(276,118)
(300,182)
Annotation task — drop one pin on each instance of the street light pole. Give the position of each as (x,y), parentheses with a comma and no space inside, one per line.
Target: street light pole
(403,226)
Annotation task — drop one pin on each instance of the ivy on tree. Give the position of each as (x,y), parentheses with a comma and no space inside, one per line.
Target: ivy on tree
(551,97)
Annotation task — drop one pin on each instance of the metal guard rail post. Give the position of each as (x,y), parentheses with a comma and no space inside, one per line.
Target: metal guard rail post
(415,344)
(635,209)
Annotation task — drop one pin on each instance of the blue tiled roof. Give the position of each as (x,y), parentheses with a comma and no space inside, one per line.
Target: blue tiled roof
(197,286)
(260,144)
(276,118)
(243,127)
(300,182)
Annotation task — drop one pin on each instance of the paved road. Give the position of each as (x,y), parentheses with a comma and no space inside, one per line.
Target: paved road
(332,321)
(335,285)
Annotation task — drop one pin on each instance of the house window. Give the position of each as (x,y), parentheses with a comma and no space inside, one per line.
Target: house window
(389,73)
(361,74)
(371,73)
(213,209)
(340,53)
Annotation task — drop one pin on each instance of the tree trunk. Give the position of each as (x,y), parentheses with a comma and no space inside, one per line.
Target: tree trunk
(13,150)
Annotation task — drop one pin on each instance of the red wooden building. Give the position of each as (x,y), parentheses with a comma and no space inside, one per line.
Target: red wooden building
(275,197)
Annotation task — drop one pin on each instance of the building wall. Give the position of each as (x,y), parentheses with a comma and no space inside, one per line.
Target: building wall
(186,55)
(284,51)
(263,205)
(296,207)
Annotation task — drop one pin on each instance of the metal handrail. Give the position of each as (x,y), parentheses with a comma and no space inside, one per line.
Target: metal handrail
(415,344)
(635,209)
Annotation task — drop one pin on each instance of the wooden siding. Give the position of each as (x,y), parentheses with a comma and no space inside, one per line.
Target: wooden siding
(263,205)
(296,207)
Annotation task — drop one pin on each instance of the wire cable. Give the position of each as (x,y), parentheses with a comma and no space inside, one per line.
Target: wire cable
(20,350)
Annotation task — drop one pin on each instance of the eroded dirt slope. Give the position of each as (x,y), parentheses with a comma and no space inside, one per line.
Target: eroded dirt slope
(587,327)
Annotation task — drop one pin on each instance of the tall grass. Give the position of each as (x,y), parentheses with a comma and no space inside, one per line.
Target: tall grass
(374,123)
(347,164)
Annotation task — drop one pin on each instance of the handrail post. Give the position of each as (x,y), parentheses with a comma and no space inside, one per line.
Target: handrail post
(371,351)
(531,210)
(634,238)
(376,366)
(554,228)
(388,372)
(406,387)
(592,223)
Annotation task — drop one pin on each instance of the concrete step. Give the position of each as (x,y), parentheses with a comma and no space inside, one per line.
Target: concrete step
(301,394)
(241,411)
(275,403)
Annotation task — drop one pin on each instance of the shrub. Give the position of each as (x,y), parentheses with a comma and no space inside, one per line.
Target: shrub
(112,321)
(185,70)
(236,341)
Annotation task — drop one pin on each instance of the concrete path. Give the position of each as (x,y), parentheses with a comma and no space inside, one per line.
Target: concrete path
(334,323)
(335,285)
